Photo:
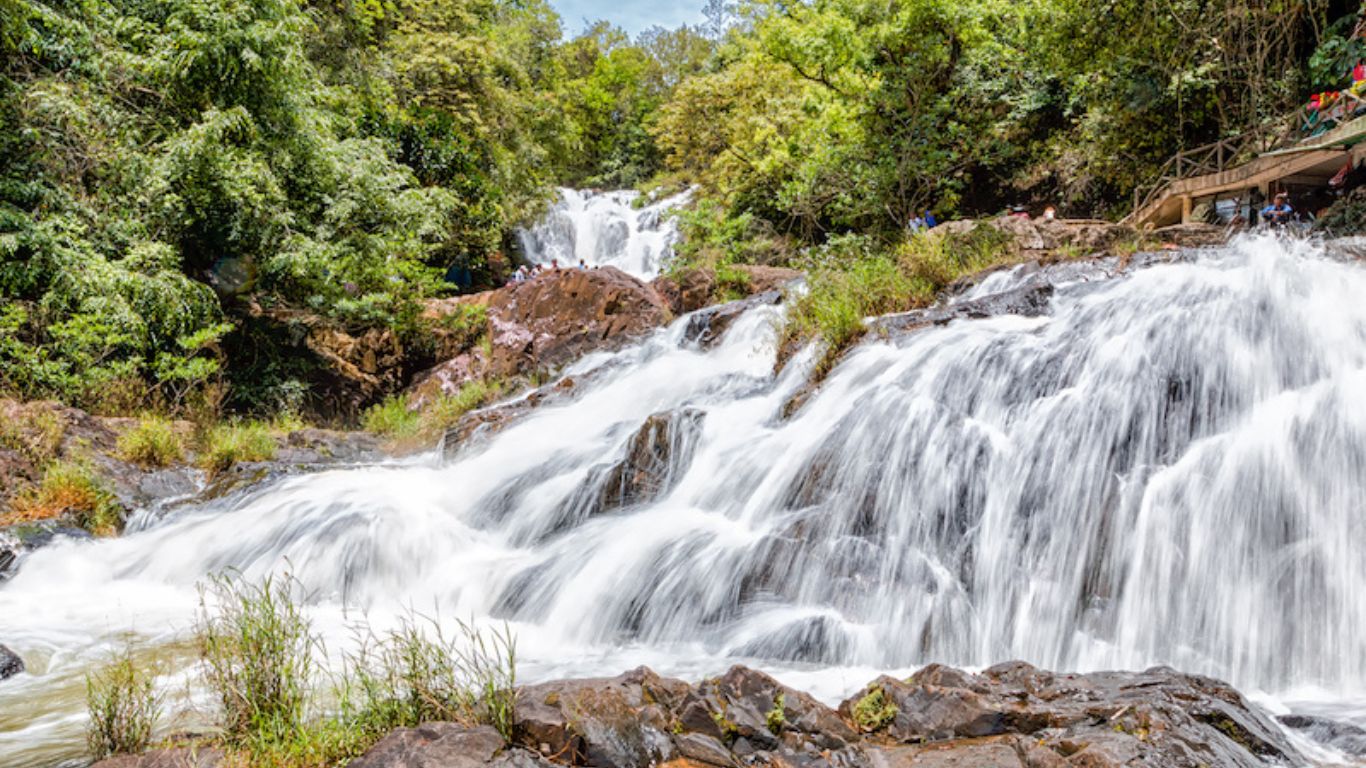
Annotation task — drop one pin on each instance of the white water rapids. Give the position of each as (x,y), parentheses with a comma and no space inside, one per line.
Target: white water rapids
(1168,468)
(605,229)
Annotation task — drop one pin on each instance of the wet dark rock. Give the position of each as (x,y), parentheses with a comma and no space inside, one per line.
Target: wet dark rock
(656,456)
(817,640)
(707,326)
(704,749)
(10,663)
(1344,737)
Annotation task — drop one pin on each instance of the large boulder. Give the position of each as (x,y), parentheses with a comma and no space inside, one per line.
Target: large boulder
(546,322)
(658,453)
(621,722)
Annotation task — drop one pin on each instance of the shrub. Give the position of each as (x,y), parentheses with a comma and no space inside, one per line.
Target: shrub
(257,650)
(229,444)
(392,419)
(874,711)
(153,442)
(123,706)
(69,488)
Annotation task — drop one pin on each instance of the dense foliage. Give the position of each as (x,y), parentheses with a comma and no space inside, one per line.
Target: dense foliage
(172,171)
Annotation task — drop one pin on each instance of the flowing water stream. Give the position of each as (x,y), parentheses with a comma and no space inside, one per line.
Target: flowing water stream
(606,229)
(1169,467)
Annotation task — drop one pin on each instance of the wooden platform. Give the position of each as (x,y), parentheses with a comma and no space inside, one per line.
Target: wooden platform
(1311,162)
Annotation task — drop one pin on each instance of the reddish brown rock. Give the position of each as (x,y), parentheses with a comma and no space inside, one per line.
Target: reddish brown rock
(696,288)
(546,322)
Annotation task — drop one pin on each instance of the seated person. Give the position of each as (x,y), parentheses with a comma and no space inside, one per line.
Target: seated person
(1279,213)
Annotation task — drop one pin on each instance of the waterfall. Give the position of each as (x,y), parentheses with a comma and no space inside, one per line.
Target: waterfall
(605,229)
(1168,467)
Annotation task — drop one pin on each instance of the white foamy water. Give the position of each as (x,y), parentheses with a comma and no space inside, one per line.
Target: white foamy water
(1170,468)
(605,229)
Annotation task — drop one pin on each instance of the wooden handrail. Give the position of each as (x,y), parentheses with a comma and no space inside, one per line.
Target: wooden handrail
(1219,156)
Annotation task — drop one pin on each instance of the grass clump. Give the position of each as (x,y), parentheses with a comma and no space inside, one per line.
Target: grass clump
(123,706)
(257,649)
(69,488)
(852,278)
(393,419)
(418,673)
(404,426)
(874,711)
(33,432)
(153,442)
(227,445)
(259,654)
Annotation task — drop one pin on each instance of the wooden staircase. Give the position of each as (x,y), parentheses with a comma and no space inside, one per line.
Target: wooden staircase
(1261,159)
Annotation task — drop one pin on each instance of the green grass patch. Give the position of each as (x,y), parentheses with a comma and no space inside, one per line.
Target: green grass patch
(153,442)
(226,445)
(123,705)
(406,427)
(69,488)
(852,278)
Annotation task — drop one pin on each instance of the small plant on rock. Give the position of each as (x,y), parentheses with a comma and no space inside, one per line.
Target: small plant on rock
(230,444)
(776,719)
(123,706)
(152,443)
(874,711)
(71,488)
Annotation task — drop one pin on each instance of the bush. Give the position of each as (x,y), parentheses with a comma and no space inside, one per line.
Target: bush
(257,649)
(69,488)
(227,445)
(152,443)
(123,706)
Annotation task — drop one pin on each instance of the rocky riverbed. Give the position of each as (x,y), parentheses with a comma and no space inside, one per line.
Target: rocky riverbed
(1009,716)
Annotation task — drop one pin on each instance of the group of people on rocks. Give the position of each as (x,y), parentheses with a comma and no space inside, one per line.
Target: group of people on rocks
(527,273)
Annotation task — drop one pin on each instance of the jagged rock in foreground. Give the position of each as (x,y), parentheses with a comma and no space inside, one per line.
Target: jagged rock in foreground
(1009,716)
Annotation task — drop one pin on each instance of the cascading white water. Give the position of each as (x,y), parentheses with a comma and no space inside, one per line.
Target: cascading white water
(1170,468)
(605,229)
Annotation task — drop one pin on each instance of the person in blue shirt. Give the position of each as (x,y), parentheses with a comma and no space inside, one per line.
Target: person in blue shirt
(930,221)
(1278,214)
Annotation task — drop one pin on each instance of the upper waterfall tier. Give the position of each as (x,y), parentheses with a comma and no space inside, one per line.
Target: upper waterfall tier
(605,229)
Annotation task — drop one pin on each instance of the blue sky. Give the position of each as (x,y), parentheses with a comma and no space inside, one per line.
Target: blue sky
(631,15)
